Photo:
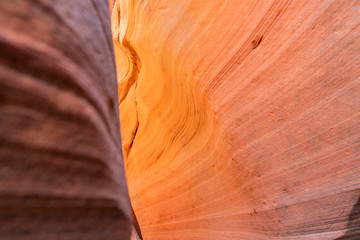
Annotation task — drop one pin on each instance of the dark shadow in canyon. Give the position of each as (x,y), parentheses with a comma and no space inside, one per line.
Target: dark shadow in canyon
(353,232)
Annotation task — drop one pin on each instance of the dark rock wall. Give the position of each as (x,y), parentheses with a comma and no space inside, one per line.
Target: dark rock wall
(61,166)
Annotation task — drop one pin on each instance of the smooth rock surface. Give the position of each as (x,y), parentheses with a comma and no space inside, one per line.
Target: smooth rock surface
(240,119)
(61,167)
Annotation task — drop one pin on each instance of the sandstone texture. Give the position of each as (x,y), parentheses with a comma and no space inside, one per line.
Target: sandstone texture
(61,166)
(240,119)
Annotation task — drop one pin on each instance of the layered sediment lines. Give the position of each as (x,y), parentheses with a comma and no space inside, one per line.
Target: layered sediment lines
(240,119)
(61,166)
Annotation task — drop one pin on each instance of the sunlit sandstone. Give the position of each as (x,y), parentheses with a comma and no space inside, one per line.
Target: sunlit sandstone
(240,119)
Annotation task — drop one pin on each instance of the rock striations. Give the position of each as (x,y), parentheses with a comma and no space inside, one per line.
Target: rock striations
(61,166)
(240,119)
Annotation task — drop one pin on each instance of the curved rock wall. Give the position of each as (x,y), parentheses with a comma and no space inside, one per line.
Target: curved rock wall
(240,119)
(61,166)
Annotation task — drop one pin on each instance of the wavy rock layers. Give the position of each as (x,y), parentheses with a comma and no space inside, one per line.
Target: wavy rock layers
(241,118)
(61,170)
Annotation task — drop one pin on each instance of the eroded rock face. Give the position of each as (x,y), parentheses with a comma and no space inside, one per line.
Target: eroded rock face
(240,119)
(61,166)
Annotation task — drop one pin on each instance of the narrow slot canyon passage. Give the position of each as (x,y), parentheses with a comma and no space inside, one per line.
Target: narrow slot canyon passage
(180,120)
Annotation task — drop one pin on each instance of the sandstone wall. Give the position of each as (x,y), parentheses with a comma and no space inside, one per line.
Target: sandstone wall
(61,166)
(240,119)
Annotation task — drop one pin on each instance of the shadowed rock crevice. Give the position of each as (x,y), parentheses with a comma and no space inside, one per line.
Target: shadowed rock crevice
(353,232)
(127,84)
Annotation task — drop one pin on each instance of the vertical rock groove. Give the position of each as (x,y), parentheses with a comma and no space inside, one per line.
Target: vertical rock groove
(127,77)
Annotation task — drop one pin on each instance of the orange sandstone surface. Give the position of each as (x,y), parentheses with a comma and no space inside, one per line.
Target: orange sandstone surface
(240,118)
